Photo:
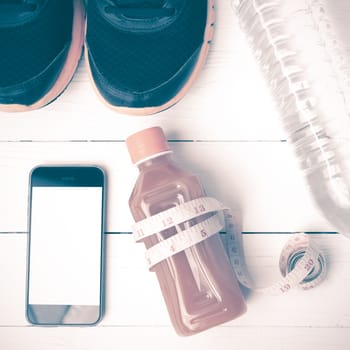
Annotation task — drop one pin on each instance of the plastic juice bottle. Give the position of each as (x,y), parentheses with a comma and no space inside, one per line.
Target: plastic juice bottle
(198,284)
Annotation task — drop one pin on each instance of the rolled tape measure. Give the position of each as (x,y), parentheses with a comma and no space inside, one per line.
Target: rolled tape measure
(302,264)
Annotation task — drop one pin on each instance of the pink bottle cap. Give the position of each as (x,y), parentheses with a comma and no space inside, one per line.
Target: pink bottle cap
(146,143)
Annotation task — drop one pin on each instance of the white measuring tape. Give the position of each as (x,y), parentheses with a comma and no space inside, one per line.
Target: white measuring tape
(302,264)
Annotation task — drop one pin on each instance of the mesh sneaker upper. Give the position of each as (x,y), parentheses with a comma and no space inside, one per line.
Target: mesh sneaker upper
(28,48)
(141,60)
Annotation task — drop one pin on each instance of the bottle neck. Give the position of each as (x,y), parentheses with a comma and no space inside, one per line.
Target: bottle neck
(155,159)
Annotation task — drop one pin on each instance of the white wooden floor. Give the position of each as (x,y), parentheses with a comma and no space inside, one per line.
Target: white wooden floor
(226,130)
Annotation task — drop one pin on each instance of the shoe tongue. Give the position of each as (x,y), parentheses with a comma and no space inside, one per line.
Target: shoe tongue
(140,9)
(13,12)
(138,15)
(142,13)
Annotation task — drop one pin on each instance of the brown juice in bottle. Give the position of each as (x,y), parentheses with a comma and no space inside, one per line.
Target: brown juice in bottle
(198,284)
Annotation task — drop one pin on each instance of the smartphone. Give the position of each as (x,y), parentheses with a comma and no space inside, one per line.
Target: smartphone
(66,246)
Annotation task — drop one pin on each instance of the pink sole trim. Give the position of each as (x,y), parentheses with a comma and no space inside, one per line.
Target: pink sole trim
(208,35)
(70,66)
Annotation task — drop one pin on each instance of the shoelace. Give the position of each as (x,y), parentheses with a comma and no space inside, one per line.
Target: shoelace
(23,5)
(140,9)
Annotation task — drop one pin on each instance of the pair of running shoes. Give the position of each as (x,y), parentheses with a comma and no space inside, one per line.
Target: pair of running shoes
(142,56)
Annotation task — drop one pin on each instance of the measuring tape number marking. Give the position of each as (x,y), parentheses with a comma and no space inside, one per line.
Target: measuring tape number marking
(302,264)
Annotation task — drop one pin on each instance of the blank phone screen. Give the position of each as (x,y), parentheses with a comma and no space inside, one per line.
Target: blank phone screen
(65,246)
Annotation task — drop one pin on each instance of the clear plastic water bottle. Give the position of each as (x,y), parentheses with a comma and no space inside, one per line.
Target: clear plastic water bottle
(304,63)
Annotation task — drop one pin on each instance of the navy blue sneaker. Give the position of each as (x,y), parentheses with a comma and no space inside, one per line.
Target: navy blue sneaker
(41,43)
(143,55)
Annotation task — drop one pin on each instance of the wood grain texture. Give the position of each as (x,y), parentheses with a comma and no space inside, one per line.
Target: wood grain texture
(227,131)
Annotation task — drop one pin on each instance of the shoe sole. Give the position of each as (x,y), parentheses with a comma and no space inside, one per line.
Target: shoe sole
(69,68)
(208,35)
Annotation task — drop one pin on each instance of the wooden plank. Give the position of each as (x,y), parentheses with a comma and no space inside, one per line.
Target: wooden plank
(159,338)
(229,102)
(261,180)
(133,297)
(229,87)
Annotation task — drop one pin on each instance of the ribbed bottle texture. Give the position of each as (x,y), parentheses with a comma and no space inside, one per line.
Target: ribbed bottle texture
(304,63)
